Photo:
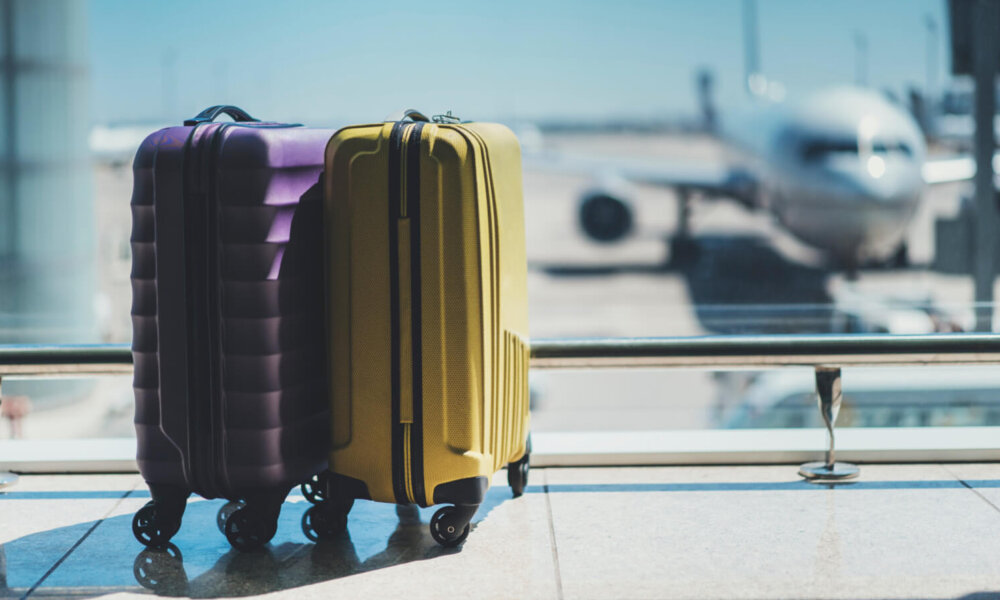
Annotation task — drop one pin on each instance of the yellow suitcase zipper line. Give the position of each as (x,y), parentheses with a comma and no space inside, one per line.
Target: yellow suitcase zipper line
(405,321)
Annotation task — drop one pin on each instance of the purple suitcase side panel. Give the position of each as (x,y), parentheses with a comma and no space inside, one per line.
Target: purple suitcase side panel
(273,176)
(156,454)
(273,402)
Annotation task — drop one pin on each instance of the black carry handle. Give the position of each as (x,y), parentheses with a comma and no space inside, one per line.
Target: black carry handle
(209,114)
(409,113)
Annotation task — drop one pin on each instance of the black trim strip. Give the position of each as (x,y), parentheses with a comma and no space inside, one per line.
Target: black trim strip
(201,285)
(395,199)
(413,212)
(219,478)
(192,200)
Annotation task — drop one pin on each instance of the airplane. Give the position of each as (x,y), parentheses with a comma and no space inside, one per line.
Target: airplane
(843,170)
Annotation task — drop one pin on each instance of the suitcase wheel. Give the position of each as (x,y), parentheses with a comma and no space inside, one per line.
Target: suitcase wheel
(517,476)
(450,525)
(322,523)
(223,515)
(160,569)
(153,526)
(517,471)
(314,490)
(248,530)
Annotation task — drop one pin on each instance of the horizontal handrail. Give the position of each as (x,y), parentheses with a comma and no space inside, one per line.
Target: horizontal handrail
(66,360)
(711,352)
(764,351)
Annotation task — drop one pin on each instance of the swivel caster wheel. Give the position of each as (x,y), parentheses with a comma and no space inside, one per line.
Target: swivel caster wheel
(223,515)
(153,526)
(320,523)
(314,490)
(247,530)
(447,527)
(517,476)
(517,472)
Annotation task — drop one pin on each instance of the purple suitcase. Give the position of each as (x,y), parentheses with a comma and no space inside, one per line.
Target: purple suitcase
(228,320)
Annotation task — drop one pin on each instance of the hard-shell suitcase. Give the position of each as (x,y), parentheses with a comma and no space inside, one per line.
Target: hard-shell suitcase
(428,323)
(227,316)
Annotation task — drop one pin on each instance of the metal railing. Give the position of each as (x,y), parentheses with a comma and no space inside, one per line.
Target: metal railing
(766,351)
(61,361)
(709,352)
(825,353)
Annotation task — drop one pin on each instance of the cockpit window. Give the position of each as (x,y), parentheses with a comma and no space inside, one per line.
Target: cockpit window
(819,149)
(816,150)
(887,147)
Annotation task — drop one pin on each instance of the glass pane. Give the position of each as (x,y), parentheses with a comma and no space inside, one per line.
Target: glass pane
(52,125)
(680,177)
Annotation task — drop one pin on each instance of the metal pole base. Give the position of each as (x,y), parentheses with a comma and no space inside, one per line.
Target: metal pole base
(7,478)
(820,471)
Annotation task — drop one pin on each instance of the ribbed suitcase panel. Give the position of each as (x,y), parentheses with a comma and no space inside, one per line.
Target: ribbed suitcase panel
(270,290)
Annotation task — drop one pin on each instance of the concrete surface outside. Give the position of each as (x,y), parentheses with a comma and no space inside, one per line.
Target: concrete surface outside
(901,531)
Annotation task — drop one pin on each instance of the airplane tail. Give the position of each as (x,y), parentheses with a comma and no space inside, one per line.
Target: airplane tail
(706,100)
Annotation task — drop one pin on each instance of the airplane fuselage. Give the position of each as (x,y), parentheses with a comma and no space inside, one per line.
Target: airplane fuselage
(841,170)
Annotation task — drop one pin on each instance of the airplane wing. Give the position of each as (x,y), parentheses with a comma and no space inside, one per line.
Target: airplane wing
(954,169)
(707,178)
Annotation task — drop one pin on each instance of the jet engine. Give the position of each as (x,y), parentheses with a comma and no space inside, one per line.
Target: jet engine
(605,216)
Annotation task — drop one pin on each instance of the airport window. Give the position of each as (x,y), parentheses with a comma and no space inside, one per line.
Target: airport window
(629,147)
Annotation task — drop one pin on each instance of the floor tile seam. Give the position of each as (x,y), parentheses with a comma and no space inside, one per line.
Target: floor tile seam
(76,545)
(972,489)
(552,535)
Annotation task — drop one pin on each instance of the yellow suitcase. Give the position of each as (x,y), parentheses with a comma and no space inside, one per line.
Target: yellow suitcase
(427,318)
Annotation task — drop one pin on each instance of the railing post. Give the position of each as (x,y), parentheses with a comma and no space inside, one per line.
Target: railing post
(6,477)
(829,391)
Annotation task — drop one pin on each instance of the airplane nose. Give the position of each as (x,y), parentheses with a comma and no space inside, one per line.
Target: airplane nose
(886,180)
(875,165)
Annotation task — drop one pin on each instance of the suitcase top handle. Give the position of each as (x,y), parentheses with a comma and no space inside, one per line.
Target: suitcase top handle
(409,113)
(209,114)
(416,115)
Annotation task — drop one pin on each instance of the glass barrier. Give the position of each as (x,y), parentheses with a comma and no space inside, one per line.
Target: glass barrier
(674,184)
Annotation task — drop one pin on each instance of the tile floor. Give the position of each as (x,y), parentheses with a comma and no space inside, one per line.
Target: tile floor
(902,531)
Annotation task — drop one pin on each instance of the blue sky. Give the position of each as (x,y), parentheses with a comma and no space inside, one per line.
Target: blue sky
(327,62)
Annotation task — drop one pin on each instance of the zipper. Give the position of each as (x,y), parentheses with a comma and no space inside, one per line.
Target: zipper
(405,307)
(214,428)
(194,200)
(398,436)
(415,431)
(201,225)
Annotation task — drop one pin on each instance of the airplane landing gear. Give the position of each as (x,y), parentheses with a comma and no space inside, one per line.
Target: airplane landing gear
(684,251)
(683,246)
(901,257)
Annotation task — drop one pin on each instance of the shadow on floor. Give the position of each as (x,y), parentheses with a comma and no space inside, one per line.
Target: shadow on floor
(738,284)
(199,563)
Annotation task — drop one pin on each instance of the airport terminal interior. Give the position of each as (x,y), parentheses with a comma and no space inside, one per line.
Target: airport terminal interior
(760,261)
